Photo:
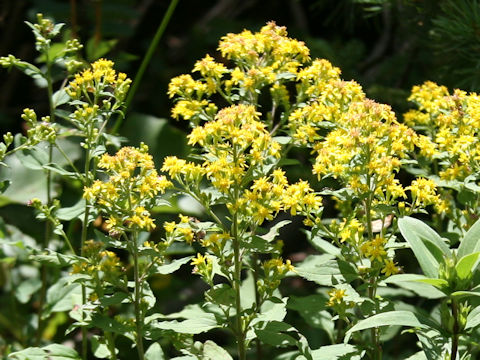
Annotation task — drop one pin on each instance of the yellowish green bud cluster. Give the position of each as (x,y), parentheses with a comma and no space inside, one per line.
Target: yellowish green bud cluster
(130,191)
(99,81)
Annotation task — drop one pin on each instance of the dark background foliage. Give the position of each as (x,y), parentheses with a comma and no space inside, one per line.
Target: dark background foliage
(386,45)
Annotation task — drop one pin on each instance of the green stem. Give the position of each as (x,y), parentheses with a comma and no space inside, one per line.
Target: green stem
(237,282)
(111,345)
(48,227)
(455,333)
(83,239)
(146,60)
(237,276)
(138,315)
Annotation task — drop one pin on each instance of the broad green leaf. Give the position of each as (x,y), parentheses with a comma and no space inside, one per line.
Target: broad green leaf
(473,318)
(212,351)
(154,352)
(197,320)
(189,326)
(247,289)
(401,318)
(99,347)
(107,323)
(326,271)
(411,282)
(337,352)
(312,309)
(426,244)
(173,266)
(466,265)
(72,212)
(471,241)
(60,97)
(324,246)
(26,289)
(280,334)
(33,158)
(51,352)
(62,296)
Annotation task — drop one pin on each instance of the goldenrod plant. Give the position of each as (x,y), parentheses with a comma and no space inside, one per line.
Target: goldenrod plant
(276,138)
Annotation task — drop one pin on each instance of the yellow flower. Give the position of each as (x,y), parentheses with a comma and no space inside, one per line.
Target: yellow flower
(390,268)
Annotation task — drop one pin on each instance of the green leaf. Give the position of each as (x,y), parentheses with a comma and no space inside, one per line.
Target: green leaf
(60,97)
(418,356)
(438,283)
(154,352)
(473,318)
(274,231)
(33,158)
(426,244)
(62,296)
(462,294)
(173,266)
(326,271)
(390,318)
(212,351)
(471,241)
(197,320)
(410,282)
(99,347)
(72,212)
(26,289)
(466,265)
(51,352)
(337,351)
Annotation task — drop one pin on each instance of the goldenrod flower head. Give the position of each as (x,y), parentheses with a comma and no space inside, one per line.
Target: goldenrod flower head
(130,190)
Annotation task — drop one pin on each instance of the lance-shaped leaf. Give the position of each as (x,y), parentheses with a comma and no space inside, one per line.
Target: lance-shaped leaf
(429,248)
(471,241)
(390,318)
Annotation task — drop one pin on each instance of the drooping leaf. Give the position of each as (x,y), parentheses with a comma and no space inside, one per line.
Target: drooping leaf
(389,318)
(411,282)
(72,212)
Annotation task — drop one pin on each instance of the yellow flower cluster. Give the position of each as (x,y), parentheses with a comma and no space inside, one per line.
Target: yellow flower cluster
(269,195)
(98,80)
(338,299)
(365,150)
(424,192)
(130,190)
(235,145)
(452,122)
(266,58)
(100,263)
(180,231)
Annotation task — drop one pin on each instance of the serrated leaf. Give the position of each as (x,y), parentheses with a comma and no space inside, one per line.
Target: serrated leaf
(389,318)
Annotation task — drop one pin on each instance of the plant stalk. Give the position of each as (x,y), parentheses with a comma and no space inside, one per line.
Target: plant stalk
(146,61)
(138,315)
(456,333)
